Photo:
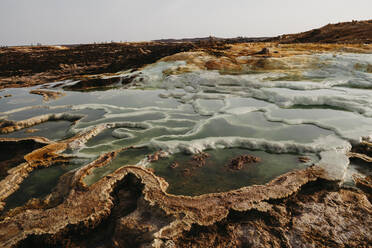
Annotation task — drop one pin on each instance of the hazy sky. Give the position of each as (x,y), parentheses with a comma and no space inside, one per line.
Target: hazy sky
(86,21)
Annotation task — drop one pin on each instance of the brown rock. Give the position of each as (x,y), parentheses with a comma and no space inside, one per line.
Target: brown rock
(264,50)
(173,165)
(156,156)
(239,162)
(47,94)
(364,184)
(200,158)
(186,172)
(304,159)
(31,130)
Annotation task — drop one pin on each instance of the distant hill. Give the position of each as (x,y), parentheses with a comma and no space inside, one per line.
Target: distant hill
(356,32)
(212,38)
(343,32)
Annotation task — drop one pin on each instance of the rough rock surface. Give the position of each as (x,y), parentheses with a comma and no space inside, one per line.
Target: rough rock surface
(15,151)
(47,94)
(239,162)
(129,208)
(362,151)
(200,158)
(364,184)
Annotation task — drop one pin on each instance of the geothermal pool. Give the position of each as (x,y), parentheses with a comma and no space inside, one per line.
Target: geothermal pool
(278,116)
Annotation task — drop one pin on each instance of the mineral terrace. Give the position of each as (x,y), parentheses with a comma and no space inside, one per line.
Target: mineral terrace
(190,144)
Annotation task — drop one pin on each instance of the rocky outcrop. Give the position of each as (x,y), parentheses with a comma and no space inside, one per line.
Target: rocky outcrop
(47,94)
(156,156)
(365,184)
(97,83)
(239,162)
(304,159)
(130,208)
(321,219)
(362,151)
(200,158)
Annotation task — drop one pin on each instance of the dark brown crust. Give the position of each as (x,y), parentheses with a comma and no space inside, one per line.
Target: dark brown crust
(357,32)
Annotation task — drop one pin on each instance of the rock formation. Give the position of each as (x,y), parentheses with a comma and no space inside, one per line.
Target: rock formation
(130,208)
(47,94)
(239,162)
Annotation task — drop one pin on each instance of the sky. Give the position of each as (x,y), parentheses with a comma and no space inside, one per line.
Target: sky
(25,22)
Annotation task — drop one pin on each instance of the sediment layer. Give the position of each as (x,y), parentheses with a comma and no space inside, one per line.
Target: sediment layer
(28,66)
